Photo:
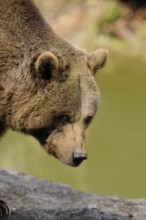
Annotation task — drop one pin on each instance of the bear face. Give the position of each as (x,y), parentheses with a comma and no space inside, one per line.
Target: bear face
(61,109)
(47,85)
(75,104)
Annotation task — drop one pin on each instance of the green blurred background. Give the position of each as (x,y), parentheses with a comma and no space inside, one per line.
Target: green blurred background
(116,141)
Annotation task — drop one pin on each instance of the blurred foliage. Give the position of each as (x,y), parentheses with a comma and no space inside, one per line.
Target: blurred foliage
(120,23)
(112,13)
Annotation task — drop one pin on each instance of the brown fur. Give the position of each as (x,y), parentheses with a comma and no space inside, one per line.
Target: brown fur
(43,78)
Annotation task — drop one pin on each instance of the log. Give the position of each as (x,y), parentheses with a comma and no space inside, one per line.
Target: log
(35,199)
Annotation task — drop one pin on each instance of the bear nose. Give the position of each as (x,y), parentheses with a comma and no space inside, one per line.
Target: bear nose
(78,158)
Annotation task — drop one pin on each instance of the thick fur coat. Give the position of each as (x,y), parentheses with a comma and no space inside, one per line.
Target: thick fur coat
(47,85)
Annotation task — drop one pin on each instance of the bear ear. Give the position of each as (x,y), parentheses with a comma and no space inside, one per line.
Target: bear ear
(47,65)
(97,59)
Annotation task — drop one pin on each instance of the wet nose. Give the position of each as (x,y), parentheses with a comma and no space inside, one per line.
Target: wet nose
(78,158)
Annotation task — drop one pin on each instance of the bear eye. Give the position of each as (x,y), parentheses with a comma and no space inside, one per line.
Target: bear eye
(65,119)
(88,120)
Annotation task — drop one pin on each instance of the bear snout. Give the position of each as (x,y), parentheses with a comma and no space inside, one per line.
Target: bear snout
(67,145)
(78,158)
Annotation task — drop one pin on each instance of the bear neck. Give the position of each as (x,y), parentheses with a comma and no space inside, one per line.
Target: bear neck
(27,30)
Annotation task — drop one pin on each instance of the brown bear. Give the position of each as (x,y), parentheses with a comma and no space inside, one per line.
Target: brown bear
(47,85)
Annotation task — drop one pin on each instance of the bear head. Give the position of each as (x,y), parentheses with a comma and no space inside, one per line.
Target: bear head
(56,101)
